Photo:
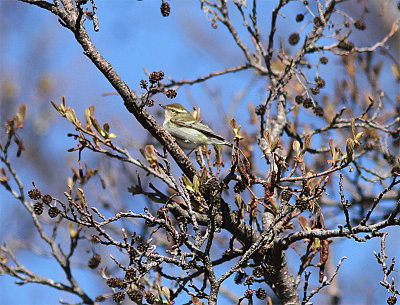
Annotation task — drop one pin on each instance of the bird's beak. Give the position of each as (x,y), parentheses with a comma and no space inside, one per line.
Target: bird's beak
(162,106)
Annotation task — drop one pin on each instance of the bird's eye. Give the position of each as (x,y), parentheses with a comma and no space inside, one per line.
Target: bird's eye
(172,110)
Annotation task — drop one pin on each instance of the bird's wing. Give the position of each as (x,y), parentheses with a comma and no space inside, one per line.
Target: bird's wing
(200,127)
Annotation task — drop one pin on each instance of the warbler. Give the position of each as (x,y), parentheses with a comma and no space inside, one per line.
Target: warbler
(189,133)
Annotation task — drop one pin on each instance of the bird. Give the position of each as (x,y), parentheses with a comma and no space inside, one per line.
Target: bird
(187,131)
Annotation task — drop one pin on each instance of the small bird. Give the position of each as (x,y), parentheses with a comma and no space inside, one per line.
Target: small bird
(189,133)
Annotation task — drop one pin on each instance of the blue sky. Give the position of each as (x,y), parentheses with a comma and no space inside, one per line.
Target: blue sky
(133,36)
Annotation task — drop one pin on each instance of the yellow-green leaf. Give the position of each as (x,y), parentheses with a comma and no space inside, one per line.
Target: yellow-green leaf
(306,144)
(55,106)
(58,108)
(159,291)
(72,232)
(150,151)
(349,150)
(106,127)
(70,115)
(196,184)
(396,71)
(87,116)
(70,182)
(21,113)
(96,124)
(187,183)
(233,123)
(296,147)
(91,109)
(103,134)
(317,243)
(166,293)
(63,106)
